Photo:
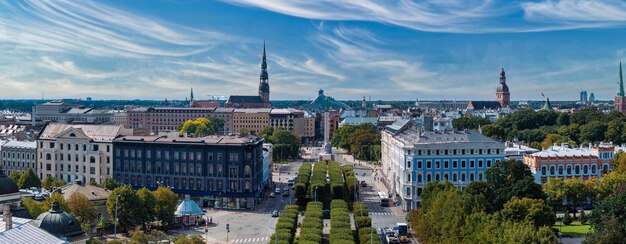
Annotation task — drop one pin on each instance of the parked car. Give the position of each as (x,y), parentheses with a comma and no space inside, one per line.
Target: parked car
(275,213)
(277,190)
(290,181)
(272,195)
(363,184)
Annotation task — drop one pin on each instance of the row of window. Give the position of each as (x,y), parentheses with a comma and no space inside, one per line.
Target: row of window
(488,151)
(182,183)
(445,176)
(68,157)
(75,168)
(192,156)
(569,169)
(18,155)
(445,164)
(183,169)
(77,147)
(7,164)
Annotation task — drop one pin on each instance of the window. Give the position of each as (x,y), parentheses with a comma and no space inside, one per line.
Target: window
(419,164)
(92,170)
(560,169)
(488,163)
(552,170)
(247,171)
(408,164)
(454,164)
(480,163)
(419,177)
(593,169)
(454,178)
(446,164)
(92,159)
(428,178)
(428,164)
(543,170)
(462,177)
(232,172)
(437,164)
(480,176)
(463,164)
(472,177)
(437,177)
(472,164)
(577,169)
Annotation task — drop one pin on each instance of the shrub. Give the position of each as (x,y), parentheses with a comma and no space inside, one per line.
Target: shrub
(567,219)
(583,217)
(362,222)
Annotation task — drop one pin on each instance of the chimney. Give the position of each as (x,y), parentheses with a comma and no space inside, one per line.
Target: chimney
(7,216)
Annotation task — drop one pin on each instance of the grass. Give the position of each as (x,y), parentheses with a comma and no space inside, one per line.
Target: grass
(575,229)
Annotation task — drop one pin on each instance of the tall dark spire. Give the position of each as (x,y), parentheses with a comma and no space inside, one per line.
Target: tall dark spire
(264,75)
(621,81)
(502,76)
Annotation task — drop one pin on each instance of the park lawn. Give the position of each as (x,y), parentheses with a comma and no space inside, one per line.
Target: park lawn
(575,228)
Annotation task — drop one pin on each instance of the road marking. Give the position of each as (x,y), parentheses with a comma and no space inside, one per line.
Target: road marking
(380,213)
(252,240)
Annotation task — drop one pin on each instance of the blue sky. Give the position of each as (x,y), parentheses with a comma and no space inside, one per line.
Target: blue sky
(383,49)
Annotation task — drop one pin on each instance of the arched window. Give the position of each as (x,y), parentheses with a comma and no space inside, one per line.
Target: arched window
(605,169)
(593,169)
(543,170)
(480,176)
(462,177)
(577,169)
(437,177)
(560,169)
(445,176)
(247,171)
(569,169)
(419,177)
(92,159)
(48,156)
(552,170)
(454,178)
(472,177)
(585,169)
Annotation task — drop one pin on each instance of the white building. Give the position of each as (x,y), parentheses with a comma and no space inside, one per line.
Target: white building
(19,156)
(72,152)
(411,158)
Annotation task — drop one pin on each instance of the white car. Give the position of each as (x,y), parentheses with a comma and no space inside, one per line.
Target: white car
(277,190)
(272,195)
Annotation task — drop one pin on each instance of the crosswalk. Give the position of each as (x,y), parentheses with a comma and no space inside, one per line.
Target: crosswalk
(379,213)
(252,240)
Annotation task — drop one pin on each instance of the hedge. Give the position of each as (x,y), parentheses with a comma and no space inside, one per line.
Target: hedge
(364,235)
(340,229)
(286,225)
(312,225)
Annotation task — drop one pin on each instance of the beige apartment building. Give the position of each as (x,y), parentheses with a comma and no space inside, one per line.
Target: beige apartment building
(252,120)
(73,152)
(166,119)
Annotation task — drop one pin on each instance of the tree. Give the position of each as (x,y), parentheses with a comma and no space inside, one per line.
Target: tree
(58,198)
(29,179)
(33,207)
(50,183)
(567,219)
(266,133)
(283,136)
(555,193)
(533,211)
(165,205)
(128,211)
(15,176)
(110,184)
(614,132)
(593,131)
(563,119)
(194,239)
(550,140)
(243,131)
(147,205)
(82,208)
(575,192)
(619,161)
(511,178)
(201,127)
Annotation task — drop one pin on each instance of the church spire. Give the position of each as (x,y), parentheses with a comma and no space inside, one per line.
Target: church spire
(191,98)
(621,81)
(264,75)
(502,76)
(264,86)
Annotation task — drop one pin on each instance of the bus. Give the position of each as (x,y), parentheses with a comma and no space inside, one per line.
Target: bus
(384,199)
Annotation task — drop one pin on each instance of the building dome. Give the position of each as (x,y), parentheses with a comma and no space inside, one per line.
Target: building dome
(7,185)
(502,88)
(59,223)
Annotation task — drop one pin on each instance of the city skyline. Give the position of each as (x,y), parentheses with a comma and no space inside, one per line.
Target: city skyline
(390,51)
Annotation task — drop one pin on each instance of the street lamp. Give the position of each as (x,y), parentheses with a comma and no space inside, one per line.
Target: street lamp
(315,194)
(227,231)
(116,219)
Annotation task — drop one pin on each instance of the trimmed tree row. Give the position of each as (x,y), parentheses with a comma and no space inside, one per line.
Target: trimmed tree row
(363,224)
(318,180)
(302,183)
(352,184)
(286,225)
(312,225)
(340,229)
(337,185)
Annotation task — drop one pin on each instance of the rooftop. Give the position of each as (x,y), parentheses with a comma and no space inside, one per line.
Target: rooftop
(207,140)
(410,136)
(99,133)
(21,144)
(93,193)
(24,232)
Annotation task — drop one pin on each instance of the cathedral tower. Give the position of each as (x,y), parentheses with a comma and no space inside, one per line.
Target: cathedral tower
(620,100)
(502,92)
(264,86)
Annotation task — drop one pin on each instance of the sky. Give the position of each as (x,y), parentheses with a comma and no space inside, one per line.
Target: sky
(380,49)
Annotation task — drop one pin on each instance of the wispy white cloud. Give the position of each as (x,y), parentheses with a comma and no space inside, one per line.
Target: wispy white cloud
(423,15)
(92,28)
(572,12)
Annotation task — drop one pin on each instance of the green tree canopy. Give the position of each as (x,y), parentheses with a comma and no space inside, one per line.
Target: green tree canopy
(29,179)
(82,208)
(165,205)
(128,210)
(50,183)
(533,211)
(202,127)
(147,205)
(511,178)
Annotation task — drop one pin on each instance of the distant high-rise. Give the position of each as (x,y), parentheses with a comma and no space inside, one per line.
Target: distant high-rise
(620,100)
(502,92)
(583,97)
(592,97)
